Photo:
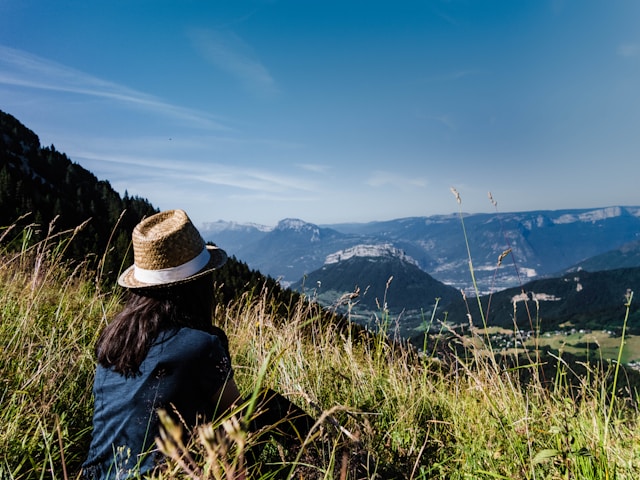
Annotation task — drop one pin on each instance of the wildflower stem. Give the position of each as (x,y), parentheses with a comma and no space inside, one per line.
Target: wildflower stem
(629,297)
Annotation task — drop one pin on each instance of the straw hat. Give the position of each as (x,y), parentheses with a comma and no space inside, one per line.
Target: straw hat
(168,250)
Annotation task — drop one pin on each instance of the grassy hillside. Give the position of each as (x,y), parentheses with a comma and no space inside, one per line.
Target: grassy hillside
(433,415)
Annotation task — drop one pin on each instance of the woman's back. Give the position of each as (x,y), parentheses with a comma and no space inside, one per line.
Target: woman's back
(181,373)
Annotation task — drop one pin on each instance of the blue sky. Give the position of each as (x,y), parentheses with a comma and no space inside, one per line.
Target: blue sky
(335,111)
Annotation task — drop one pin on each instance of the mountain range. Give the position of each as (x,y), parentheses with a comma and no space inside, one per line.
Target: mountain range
(507,249)
(402,266)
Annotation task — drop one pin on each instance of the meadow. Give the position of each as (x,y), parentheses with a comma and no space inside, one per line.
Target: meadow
(449,413)
(602,345)
(608,346)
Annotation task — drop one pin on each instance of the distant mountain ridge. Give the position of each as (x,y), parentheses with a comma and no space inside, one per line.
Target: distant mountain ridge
(625,256)
(285,252)
(370,281)
(538,244)
(383,250)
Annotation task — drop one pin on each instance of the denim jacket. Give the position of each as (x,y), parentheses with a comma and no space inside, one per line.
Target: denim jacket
(181,373)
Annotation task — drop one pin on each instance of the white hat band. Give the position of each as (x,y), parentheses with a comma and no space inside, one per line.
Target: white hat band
(172,274)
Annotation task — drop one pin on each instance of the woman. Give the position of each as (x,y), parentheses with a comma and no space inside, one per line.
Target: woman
(162,351)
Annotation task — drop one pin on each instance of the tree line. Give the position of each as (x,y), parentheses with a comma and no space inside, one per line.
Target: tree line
(42,192)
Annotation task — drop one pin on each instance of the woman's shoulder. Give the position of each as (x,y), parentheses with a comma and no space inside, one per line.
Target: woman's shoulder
(189,338)
(190,349)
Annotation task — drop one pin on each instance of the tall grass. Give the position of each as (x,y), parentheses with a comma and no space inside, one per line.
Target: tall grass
(408,414)
(50,314)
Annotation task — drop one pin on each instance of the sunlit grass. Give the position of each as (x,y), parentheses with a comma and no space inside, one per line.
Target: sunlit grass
(450,414)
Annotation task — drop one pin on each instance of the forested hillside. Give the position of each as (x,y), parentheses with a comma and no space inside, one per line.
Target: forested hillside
(585,300)
(43,192)
(42,188)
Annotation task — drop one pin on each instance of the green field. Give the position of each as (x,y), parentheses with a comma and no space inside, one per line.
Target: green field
(596,344)
(608,345)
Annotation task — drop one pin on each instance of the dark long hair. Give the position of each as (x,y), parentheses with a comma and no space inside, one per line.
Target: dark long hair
(126,340)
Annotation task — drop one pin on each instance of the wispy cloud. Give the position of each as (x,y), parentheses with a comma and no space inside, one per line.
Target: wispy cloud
(445,16)
(282,198)
(25,70)
(253,179)
(629,50)
(449,77)
(314,167)
(381,178)
(169,171)
(231,54)
(445,119)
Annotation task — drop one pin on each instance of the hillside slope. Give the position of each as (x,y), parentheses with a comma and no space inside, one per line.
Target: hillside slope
(369,280)
(625,256)
(588,300)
